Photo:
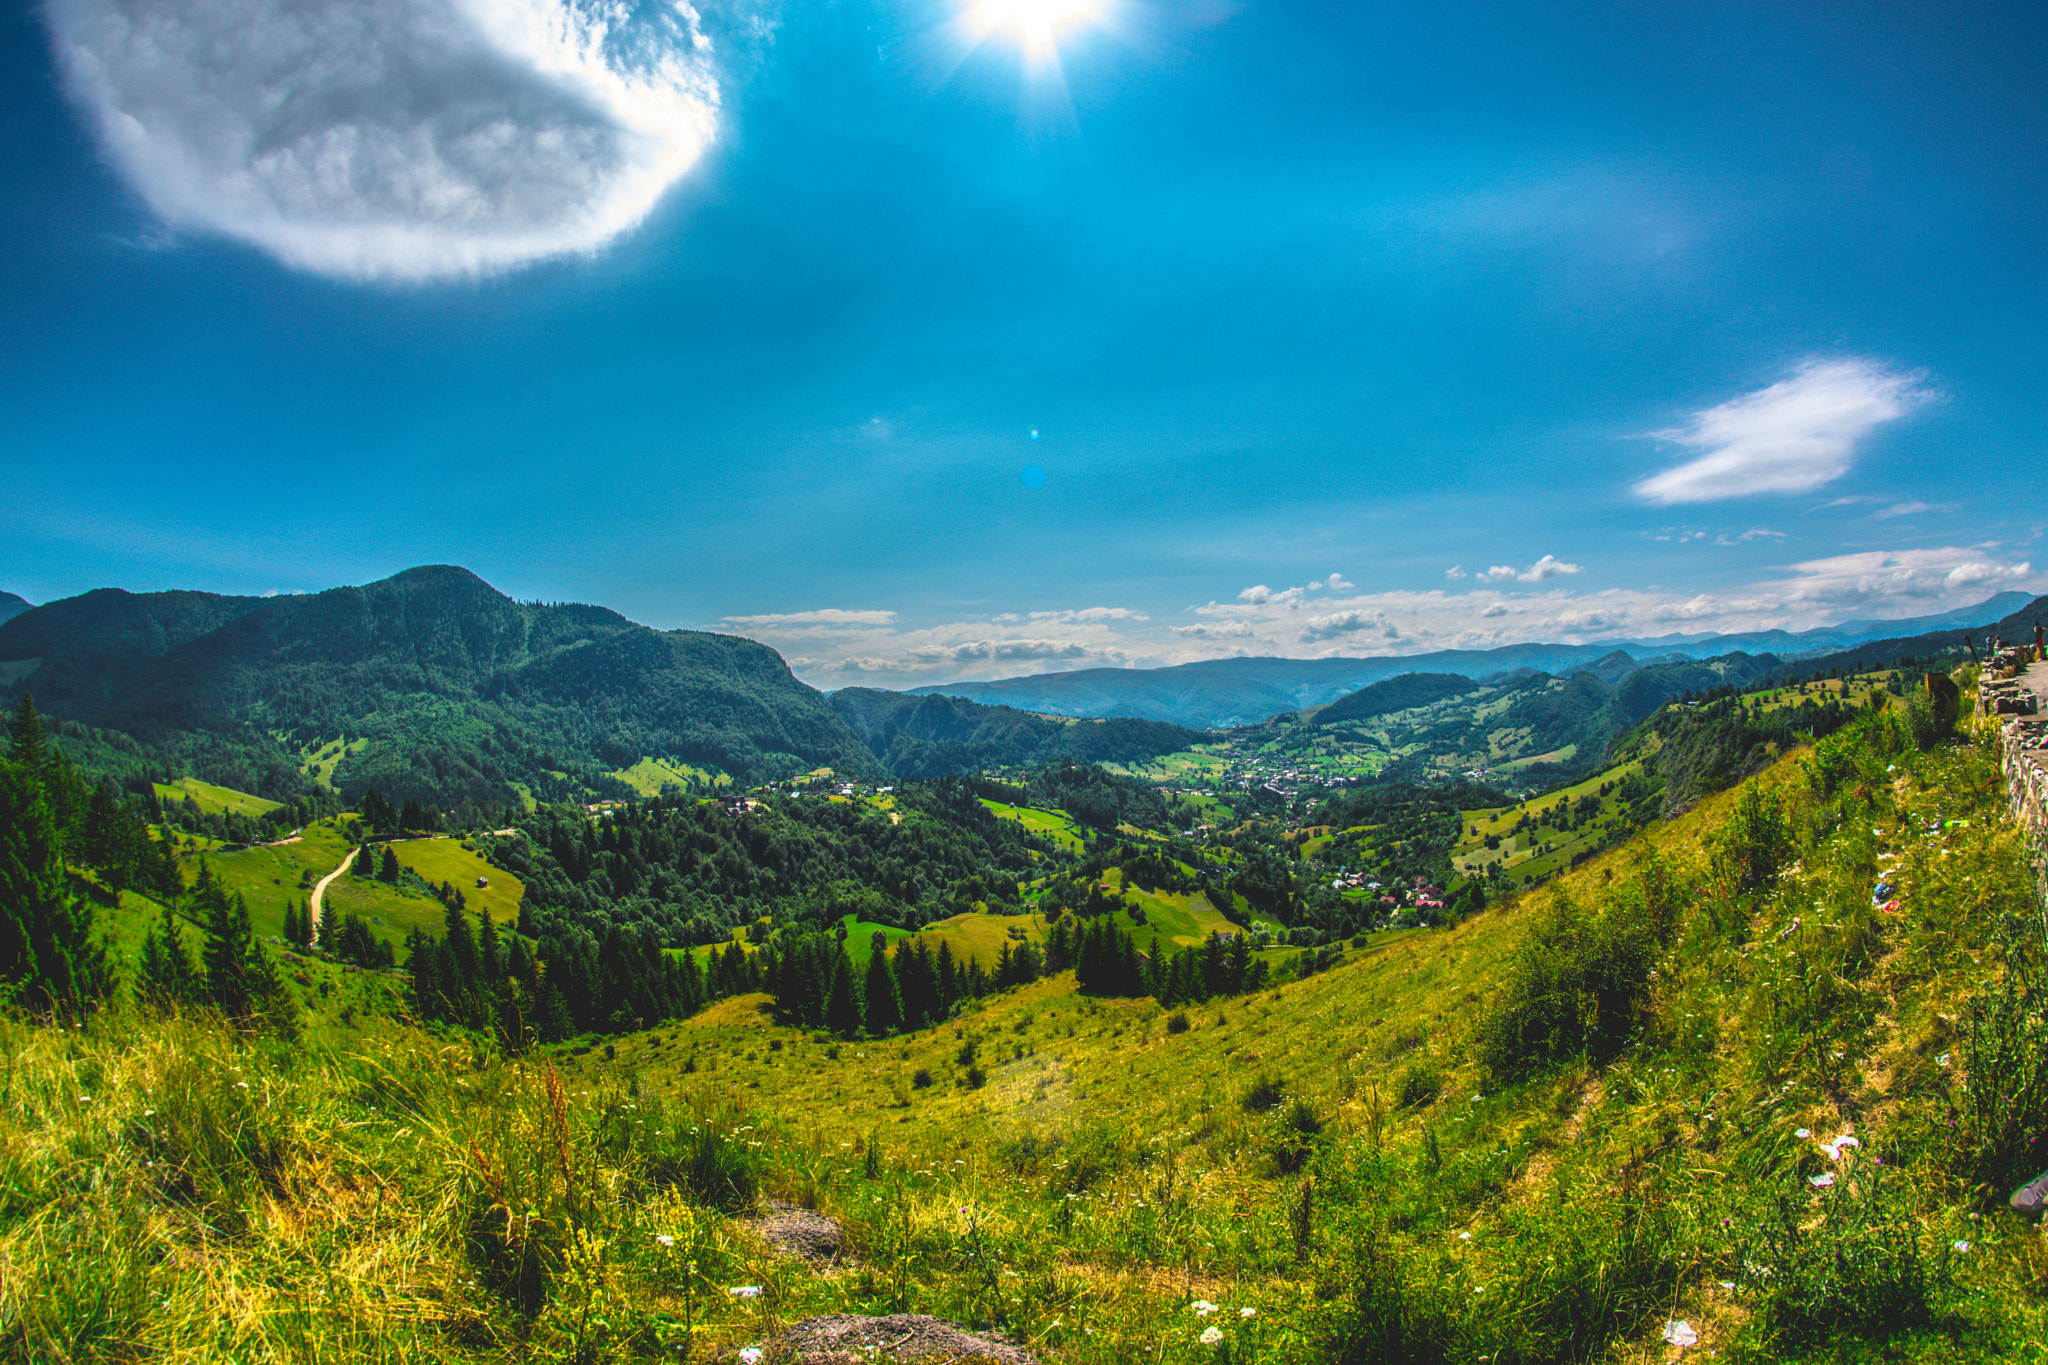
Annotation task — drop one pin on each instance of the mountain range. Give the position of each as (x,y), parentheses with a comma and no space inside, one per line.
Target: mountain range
(1218,693)
(447,691)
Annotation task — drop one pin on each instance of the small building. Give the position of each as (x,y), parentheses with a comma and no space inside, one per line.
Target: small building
(482,882)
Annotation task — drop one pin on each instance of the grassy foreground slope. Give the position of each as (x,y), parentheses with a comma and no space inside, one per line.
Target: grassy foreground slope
(1550,1134)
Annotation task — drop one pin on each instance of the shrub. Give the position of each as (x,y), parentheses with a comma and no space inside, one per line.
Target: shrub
(1177,1022)
(1857,1267)
(1300,1128)
(1418,1086)
(702,1153)
(921,1078)
(975,1079)
(2005,1057)
(1756,843)
(1576,986)
(1264,1093)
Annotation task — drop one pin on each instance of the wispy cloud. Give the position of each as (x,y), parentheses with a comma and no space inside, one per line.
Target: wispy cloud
(824,616)
(1456,573)
(394,139)
(1791,437)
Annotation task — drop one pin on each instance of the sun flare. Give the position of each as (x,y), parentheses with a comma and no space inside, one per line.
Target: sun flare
(1036,24)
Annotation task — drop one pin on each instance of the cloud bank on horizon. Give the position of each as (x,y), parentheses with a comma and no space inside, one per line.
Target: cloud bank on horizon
(840,647)
(401,140)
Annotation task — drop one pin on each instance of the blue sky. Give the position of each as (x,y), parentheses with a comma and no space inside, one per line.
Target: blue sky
(1332,328)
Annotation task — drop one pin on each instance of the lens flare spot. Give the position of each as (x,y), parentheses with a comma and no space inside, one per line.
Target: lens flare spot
(1034,475)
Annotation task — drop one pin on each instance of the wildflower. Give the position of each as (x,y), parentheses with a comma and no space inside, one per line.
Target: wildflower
(1680,1333)
(1942,1060)
(1820,1182)
(1202,1307)
(1961,1246)
(664,1239)
(745,1291)
(1212,1336)
(750,1355)
(1464,1236)
(1728,1285)
(1247,1312)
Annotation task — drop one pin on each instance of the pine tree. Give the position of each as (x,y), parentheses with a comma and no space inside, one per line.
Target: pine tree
(842,1003)
(389,871)
(46,947)
(948,980)
(235,968)
(884,1001)
(167,974)
(28,745)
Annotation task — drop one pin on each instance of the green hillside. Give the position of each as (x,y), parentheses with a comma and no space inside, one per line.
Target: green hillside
(463,695)
(1545,1135)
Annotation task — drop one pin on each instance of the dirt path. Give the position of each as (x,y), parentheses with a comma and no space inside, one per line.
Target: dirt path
(313,906)
(321,888)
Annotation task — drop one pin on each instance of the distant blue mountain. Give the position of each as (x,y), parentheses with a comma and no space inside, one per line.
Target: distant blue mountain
(1219,693)
(12,605)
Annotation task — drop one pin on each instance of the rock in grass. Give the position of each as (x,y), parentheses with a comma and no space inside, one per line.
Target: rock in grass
(848,1339)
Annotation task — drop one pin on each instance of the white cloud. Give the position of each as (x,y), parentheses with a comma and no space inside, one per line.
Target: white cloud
(834,646)
(1500,573)
(394,139)
(1260,595)
(1904,509)
(1336,582)
(1092,614)
(1342,623)
(1545,569)
(1791,437)
(1455,573)
(825,616)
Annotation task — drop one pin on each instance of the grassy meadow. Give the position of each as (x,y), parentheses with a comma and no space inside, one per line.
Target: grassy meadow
(1551,1134)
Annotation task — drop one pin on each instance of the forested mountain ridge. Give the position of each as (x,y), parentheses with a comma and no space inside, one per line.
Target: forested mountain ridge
(462,693)
(932,735)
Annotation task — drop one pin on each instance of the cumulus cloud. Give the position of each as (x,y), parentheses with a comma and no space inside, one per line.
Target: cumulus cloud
(1500,573)
(824,616)
(1342,623)
(1888,575)
(1336,582)
(1455,573)
(394,139)
(1545,569)
(1259,595)
(1791,437)
(1214,630)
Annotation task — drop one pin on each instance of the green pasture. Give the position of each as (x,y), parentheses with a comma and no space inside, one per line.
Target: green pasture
(1053,824)
(215,800)
(446,860)
(650,775)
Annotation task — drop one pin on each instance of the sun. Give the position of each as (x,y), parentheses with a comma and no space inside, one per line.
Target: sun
(1036,25)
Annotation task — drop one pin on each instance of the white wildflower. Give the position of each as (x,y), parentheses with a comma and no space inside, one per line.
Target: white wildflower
(745,1291)
(1212,1336)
